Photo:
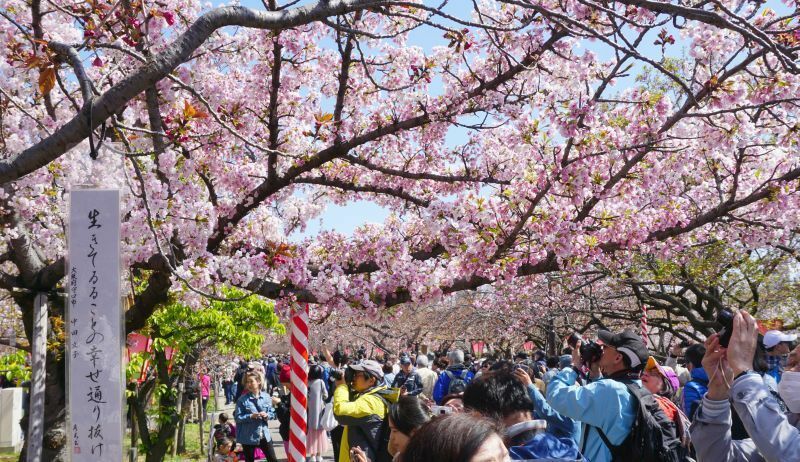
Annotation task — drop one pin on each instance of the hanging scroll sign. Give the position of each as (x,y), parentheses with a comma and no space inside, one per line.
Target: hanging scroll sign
(94,349)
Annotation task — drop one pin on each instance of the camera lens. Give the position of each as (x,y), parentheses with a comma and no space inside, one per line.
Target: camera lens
(725,319)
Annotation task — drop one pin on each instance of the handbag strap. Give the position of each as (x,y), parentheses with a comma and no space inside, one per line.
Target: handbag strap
(255,403)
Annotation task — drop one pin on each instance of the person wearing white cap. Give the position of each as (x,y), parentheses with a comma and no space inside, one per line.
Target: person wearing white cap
(778,345)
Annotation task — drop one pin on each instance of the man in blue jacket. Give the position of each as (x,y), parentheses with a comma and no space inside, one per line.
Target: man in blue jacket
(697,386)
(454,379)
(605,402)
(407,377)
(504,395)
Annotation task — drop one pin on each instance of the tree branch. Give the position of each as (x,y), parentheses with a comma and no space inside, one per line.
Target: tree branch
(178,52)
(346,186)
(70,55)
(274,91)
(421,175)
(267,188)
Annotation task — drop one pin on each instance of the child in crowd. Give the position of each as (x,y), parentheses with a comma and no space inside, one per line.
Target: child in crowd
(225,451)
(223,429)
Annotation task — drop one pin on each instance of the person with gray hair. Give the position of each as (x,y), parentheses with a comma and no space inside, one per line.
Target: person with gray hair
(454,379)
(456,357)
(427,376)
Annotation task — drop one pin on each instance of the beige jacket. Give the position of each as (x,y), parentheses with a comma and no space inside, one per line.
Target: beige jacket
(429,379)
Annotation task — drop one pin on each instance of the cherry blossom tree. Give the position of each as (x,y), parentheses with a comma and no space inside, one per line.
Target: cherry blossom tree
(456,319)
(585,130)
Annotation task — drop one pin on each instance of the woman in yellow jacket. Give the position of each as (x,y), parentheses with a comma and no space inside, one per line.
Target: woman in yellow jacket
(362,411)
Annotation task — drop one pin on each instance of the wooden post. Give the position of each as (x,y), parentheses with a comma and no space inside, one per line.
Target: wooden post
(177,427)
(38,372)
(201,421)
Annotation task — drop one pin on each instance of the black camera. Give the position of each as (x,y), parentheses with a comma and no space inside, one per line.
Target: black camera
(336,374)
(591,352)
(349,375)
(725,319)
(525,368)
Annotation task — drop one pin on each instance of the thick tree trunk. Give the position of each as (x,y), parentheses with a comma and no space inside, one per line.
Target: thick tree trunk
(158,451)
(158,444)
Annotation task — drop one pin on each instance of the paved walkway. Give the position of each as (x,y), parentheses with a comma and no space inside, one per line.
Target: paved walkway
(276,437)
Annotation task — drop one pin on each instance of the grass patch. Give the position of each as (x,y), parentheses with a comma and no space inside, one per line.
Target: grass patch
(192,446)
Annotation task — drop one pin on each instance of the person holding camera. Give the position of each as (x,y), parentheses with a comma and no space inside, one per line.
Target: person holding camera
(362,414)
(773,435)
(605,404)
(253,410)
(505,395)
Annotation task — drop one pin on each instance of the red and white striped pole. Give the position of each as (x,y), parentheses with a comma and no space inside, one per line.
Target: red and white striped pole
(299,385)
(644,324)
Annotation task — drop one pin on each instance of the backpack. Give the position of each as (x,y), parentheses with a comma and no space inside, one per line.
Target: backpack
(458,383)
(653,435)
(382,451)
(192,389)
(384,432)
(283,414)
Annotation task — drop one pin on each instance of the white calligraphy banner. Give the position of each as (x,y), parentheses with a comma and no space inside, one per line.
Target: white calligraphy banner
(94,349)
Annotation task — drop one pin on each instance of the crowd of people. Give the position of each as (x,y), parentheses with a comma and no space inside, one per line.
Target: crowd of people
(736,397)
